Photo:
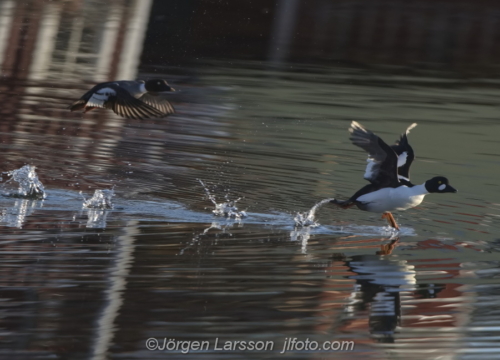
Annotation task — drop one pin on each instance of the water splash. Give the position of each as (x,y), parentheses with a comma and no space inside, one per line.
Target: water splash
(301,234)
(226,209)
(224,230)
(100,200)
(30,187)
(307,219)
(96,218)
(15,216)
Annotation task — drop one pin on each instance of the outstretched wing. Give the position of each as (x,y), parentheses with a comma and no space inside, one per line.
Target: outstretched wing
(159,103)
(405,154)
(382,160)
(122,103)
(82,102)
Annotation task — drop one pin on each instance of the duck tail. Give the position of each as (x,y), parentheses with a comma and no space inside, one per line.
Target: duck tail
(77,105)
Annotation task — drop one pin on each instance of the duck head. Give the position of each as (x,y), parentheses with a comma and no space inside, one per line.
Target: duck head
(158,85)
(439,184)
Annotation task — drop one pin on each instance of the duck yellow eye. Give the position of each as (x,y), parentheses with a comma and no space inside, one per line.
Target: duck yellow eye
(440,182)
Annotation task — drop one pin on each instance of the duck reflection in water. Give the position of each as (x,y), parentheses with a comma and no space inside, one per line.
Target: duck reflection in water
(380,282)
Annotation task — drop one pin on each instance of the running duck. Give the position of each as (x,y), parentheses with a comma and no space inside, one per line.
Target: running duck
(388,172)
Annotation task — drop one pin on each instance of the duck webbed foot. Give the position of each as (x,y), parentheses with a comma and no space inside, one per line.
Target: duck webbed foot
(390,219)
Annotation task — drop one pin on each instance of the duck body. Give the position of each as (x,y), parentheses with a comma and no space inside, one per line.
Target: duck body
(99,94)
(131,99)
(388,172)
(389,199)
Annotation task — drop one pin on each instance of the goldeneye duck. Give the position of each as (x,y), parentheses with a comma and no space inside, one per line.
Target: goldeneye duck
(131,99)
(388,173)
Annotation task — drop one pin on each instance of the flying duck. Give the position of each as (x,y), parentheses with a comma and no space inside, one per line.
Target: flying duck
(131,99)
(388,172)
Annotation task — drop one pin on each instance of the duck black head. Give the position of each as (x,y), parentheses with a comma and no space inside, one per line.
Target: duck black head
(158,85)
(439,184)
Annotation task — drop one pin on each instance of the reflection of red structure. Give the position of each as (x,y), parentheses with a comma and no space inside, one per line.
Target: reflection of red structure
(446,310)
(20,39)
(43,42)
(49,40)
(427,304)
(458,34)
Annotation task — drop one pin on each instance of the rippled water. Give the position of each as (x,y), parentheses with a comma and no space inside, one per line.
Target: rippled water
(90,283)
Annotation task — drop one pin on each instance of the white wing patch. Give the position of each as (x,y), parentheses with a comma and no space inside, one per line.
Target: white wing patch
(369,172)
(402,158)
(442,187)
(100,97)
(401,177)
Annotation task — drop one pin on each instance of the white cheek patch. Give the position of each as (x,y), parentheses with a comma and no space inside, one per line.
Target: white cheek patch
(442,187)
(402,159)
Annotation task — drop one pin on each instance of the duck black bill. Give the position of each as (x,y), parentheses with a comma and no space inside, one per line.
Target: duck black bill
(450,189)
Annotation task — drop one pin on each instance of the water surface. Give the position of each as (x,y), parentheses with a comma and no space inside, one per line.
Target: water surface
(86,283)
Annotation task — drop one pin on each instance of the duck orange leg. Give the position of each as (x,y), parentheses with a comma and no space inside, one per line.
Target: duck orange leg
(390,219)
(388,248)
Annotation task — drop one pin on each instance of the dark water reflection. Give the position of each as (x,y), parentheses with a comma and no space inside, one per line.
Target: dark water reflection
(90,284)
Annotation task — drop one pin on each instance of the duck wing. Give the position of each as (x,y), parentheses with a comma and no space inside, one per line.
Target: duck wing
(159,103)
(405,154)
(382,168)
(82,102)
(122,103)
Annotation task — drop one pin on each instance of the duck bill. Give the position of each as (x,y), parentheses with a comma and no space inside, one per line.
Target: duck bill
(450,189)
